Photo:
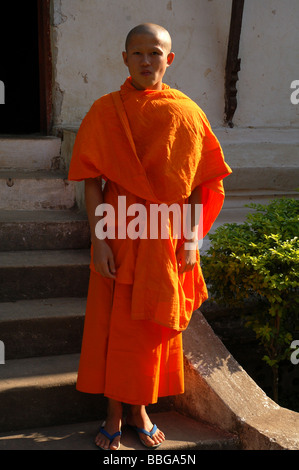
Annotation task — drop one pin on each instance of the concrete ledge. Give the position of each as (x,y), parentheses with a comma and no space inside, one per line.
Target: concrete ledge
(30,152)
(43,274)
(35,190)
(43,230)
(42,327)
(41,392)
(220,392)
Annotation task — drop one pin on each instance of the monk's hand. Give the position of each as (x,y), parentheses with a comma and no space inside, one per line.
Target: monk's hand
(103,259)
(186,257)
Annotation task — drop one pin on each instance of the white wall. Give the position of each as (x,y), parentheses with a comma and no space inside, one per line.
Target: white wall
(269,50)
(89,35)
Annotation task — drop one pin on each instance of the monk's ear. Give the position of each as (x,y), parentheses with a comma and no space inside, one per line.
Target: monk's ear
(125,58)
(170,58)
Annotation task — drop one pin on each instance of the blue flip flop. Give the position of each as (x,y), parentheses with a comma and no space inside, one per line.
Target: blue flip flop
(110,437)
(147,433)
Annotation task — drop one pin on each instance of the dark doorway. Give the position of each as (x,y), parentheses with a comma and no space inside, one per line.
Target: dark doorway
(20,35)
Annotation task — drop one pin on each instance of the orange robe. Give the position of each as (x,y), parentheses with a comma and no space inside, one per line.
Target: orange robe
(153,147)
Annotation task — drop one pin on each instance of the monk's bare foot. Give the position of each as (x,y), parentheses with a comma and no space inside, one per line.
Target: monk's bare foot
(137,416)
(111,426)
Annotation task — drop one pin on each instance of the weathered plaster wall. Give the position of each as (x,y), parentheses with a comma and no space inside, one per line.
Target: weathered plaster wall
(270,62)
(88,38)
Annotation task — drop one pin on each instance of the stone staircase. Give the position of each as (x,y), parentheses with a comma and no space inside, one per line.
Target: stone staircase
(44,270)
(44,258)
(44,273)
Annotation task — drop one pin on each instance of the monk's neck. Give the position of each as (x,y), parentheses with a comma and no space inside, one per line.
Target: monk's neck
(157,87)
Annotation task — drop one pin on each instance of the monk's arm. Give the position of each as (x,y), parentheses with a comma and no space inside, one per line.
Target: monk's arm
(186,255)
(102,254)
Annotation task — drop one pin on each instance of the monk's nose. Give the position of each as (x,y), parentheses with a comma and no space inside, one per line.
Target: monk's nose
(145,60)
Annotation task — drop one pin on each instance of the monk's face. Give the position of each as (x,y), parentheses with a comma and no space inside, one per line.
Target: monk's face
(147,57)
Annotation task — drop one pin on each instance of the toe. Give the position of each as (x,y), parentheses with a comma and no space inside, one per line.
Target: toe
(156,439)
(115,444)
(101,441)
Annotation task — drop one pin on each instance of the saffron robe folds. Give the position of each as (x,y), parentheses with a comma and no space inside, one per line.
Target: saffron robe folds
(153,147)
(131,361)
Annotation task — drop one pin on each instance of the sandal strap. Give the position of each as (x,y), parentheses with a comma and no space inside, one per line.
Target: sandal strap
(147,433)
(109,436)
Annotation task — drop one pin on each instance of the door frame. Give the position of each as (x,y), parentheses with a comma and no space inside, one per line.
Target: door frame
(45,65)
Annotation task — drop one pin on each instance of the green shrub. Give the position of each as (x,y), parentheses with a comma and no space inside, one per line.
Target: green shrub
(259,260)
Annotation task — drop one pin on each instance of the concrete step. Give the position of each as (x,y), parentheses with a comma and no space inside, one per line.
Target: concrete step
(182,434)
(41,392)
(238,198)
(261,158)
(43,274)
(43,230)
(42,327)
(68,229)
(35,190)
(266,177)
(30,152)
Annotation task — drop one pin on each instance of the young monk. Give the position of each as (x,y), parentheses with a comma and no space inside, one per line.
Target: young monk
(151,145)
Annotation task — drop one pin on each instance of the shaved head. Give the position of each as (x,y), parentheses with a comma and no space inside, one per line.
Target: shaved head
(152,30)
